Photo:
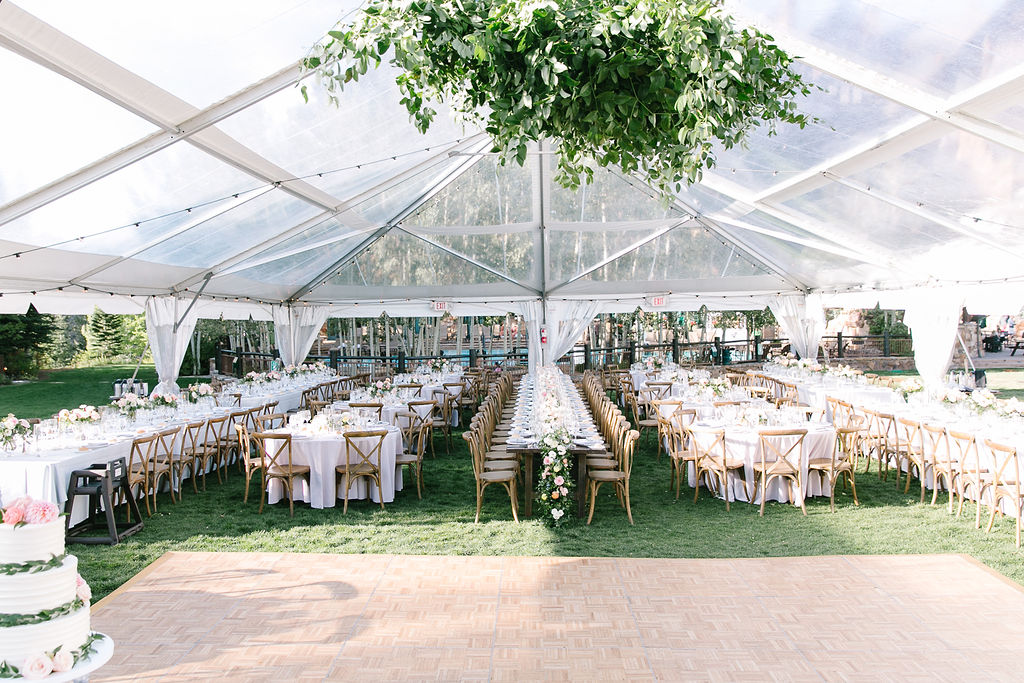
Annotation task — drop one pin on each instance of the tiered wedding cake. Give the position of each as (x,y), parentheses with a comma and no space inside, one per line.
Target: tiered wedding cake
(44,603)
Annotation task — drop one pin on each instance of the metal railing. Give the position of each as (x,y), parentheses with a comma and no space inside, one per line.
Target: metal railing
(583,356)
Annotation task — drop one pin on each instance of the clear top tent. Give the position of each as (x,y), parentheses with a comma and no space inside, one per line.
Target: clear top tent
(152,153)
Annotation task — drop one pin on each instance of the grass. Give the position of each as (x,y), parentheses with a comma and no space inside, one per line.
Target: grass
(68,388)
(886,522)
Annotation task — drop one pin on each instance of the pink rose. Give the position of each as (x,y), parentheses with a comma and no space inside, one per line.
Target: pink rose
(63,661)
(14,515)
(36,667)
(548,460)
(82,589)
(559,480)
(41,512)
(565,491)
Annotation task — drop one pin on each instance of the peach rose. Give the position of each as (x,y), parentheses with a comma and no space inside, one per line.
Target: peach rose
(41,512)
(82,589)
(63,661)
(554,495)
(37,667)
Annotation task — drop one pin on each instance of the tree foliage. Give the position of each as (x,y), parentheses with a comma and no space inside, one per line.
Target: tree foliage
(22,339)
(649,86)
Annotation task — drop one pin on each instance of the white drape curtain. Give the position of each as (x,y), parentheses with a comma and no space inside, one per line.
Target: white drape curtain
(566,322)
(295,329)
(532,312)
(933,316)
(168,345)
(803,320)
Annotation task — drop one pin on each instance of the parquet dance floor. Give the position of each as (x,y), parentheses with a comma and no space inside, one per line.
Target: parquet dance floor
(285,617)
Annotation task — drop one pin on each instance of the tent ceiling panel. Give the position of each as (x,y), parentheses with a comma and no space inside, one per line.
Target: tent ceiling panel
(367,129)
(849,117)
(940,47)
(1011,117)
(67,127)
(201,51)
(170,181)
(961,174)
(225,234)
(292,267)
(685,252)
(609,198)
(485,195)
(514,254)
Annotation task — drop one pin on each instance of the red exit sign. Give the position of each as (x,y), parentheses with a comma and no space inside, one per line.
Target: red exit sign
(440,305)
(656,301)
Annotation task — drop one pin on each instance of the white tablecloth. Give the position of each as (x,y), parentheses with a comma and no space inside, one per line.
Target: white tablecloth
(743,443)
(323,453)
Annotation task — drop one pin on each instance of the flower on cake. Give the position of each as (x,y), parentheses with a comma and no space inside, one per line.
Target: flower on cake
(63,661)
(82,589)
(41,512)
(37,667)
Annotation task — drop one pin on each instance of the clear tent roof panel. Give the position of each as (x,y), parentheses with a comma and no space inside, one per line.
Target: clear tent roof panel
(959,175)
(485,195)
(198,50)
(1012,117)
(609,198)
(367,129)
(66,127)
(849,116)
(241,228)
(172,180)
(940,47)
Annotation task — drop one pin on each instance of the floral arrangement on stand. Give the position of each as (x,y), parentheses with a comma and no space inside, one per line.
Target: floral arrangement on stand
(11,429)
(83,414)
(21,512)
(555,484)
(197,391)
(380,388)
(437,365)
(131,403)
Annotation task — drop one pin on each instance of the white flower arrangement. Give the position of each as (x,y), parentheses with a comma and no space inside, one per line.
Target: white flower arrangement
(555,484)
(83,414)
(380,388)
(842,371)
(910,386)
(163,400)
(196,391)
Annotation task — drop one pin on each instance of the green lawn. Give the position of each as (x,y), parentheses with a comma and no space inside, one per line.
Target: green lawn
(442,523)
(69,388)
(886,522)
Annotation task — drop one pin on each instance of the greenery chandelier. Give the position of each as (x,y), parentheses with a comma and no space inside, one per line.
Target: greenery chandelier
(648,86)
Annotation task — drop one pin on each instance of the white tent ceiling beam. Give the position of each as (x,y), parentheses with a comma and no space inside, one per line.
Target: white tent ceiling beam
(416,203)
(927,214)
(239,261)
(468,259)
(913,133)
(199,220)
(33,39)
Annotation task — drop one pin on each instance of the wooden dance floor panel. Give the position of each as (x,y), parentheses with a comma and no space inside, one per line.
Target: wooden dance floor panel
(301,617)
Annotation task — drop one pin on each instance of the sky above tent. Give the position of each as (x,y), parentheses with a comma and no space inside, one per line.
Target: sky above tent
(148,151)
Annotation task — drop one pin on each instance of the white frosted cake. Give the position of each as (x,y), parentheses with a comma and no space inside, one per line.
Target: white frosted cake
(44,603)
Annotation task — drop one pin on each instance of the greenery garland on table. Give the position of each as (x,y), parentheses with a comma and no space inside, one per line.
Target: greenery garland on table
(87,649)
(32,566)
(648,86)
(555,485)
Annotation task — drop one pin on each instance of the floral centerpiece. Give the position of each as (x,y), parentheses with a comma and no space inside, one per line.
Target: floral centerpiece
(555,485)
(910,386)
(197,391)
(380,388)
(652,363)
(841,371)
(716,385)
(131,403)
(291,371)
(253,377)
(163,400)
(83,414)
(437,365)
(11,429)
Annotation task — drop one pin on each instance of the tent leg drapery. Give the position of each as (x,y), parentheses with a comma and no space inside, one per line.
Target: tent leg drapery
(295,329)
(168,338)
